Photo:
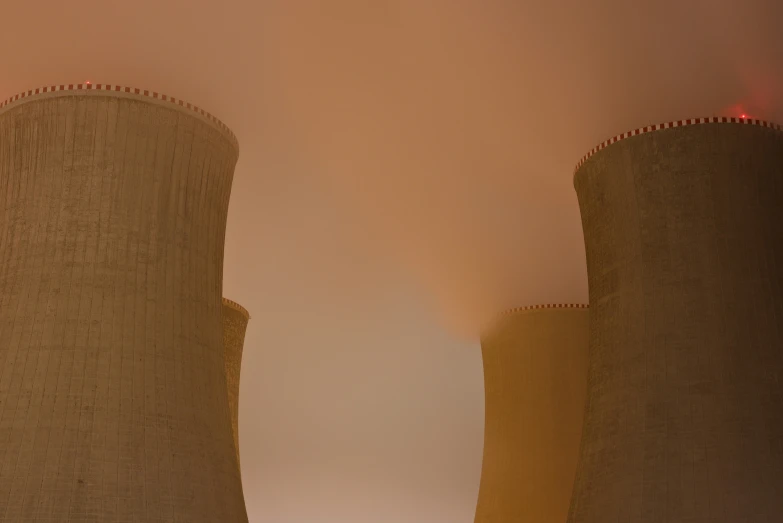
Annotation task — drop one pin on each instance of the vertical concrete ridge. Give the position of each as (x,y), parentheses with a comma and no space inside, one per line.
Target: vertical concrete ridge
(684,249)
(113,403)
(535,382)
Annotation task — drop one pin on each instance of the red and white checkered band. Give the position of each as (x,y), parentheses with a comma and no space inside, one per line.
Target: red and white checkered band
(237,307)
(545,306)
(120,89)
(678,123)
(490,325)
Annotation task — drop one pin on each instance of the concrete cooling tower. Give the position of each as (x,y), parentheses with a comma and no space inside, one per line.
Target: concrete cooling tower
(535,382)
(235,318)
(113,404)
(684,418)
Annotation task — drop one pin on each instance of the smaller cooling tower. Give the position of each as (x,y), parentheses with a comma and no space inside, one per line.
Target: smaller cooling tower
(235,318)
(535,381)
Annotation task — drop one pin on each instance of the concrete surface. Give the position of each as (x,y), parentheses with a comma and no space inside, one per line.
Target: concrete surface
(535,380)
(684,419)
(113,403)
(235,318)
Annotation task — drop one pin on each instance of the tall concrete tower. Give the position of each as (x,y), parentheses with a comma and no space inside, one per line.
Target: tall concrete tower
(235,318)
(684,419)
(535,381)
(113,404)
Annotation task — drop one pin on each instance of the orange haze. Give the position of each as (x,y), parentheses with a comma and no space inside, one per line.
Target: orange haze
(404,165)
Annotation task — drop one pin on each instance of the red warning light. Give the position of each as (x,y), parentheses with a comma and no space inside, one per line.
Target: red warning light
(87,82)
(744,116)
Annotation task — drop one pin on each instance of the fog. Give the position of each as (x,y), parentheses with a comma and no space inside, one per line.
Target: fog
(405,173)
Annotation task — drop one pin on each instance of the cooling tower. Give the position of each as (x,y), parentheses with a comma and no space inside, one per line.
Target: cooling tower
(113,402)
(535,381)
(235,318)
(684,417)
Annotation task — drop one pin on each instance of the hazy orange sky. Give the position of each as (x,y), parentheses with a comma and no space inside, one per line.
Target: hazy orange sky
(405,172)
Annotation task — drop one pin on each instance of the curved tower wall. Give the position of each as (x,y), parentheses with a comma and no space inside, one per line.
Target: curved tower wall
(235,318)
(112,388)
(684,243)
(535,381)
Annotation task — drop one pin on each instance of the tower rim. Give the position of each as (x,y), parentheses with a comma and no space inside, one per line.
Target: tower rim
(488,327)
(539,306)
(123,91)
(237,307)
(672,124)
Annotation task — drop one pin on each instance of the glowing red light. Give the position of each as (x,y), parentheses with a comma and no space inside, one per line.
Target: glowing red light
(87,82)
(744,116)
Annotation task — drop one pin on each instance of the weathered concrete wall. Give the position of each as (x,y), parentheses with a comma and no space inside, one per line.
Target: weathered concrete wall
(535,381)
(684,242)
(112,384)
(235,318)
